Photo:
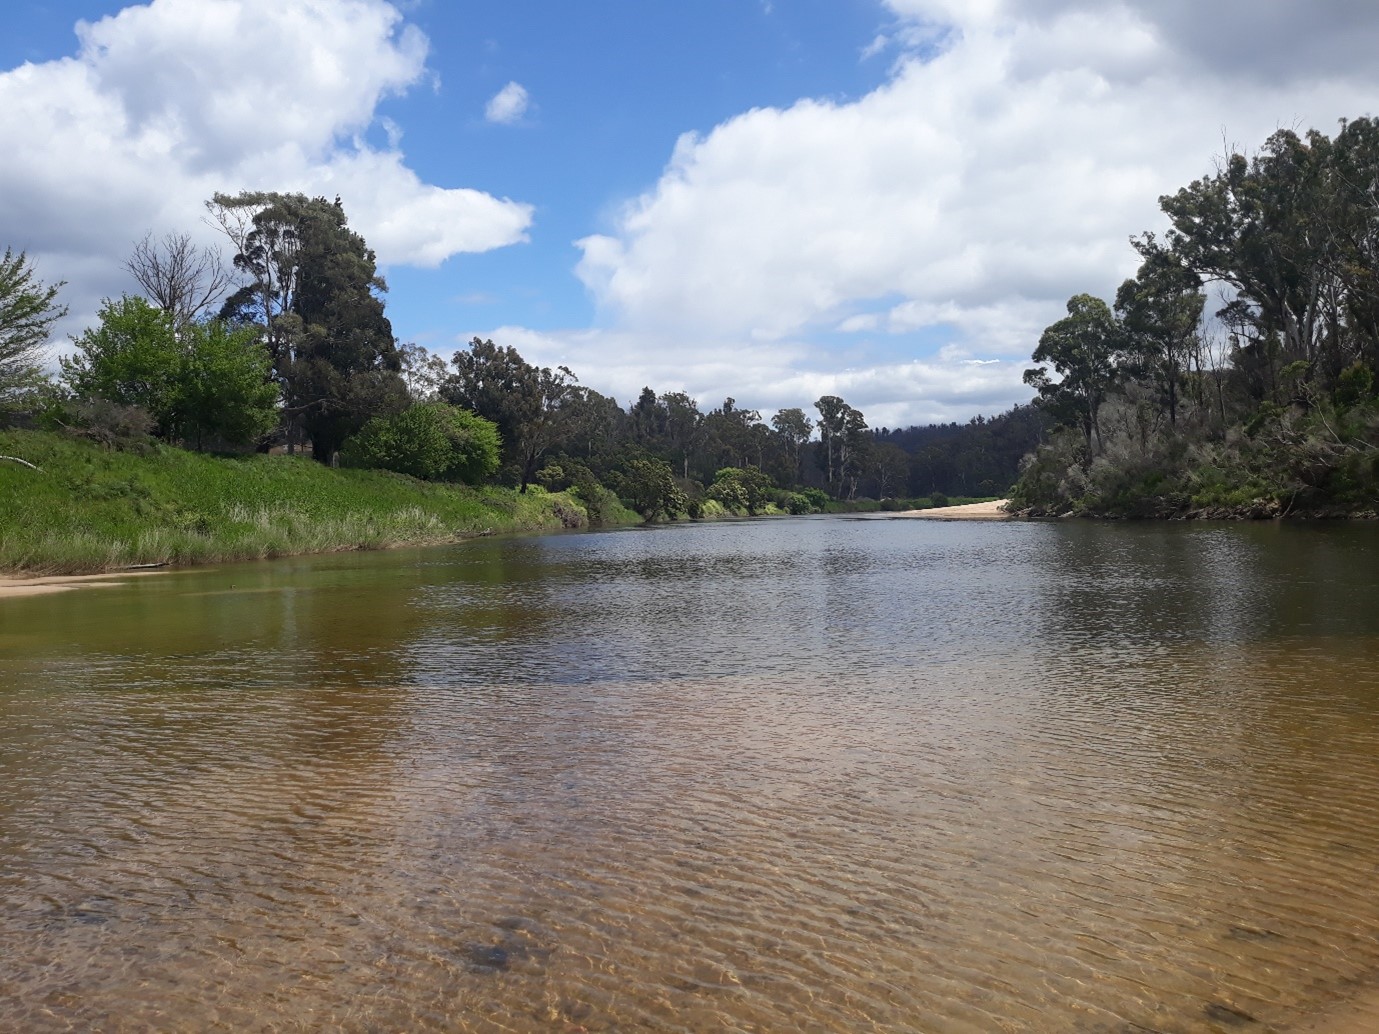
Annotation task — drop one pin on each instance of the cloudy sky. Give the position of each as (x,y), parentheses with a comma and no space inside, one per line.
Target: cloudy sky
(771,199)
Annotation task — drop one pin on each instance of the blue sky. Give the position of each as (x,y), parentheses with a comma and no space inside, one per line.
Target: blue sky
(881,199)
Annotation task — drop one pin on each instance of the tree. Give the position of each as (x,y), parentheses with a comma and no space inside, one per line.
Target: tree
(28,310)
(741,488)
(225,390)
(684,426)
(832,419)
(794,429)
(1159,311)
(1264,228)
(132,359)
(313,288)
(180,278)
(855,448)
(211,381)
(1085,348)
(422,372)
(648,485)
(431,441)
(648,418)
(890,465)
(534,407)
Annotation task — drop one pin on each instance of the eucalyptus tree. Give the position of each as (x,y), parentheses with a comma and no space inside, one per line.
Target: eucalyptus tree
(311,284)
(684,427)
(535,408)
(794,429)
(832,421)
(1160,312)
(1086,349)
(1263,227)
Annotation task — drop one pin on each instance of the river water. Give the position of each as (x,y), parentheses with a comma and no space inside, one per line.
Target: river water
(784,775)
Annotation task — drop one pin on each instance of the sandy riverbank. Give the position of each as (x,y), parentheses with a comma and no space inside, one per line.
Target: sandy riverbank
(15,585)
(969,512)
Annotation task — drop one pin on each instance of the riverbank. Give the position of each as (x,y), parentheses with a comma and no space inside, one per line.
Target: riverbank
(993,510)
(78,509)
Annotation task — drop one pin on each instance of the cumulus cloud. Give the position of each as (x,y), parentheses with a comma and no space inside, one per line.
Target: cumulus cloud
(165,103)
(508,105)
(998,171)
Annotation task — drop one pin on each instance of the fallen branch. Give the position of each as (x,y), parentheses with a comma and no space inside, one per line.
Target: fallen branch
(22,463)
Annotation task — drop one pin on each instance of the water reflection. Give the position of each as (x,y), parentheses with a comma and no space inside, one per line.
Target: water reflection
(806,775)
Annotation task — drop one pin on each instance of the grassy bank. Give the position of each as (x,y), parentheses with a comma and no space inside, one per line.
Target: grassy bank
(87,509)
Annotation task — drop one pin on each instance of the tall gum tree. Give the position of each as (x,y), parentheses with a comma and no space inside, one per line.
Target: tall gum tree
(1085,349)
(312,284)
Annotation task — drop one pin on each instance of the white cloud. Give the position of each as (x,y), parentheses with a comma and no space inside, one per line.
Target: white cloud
(168,102)
(964,200)
(508,105)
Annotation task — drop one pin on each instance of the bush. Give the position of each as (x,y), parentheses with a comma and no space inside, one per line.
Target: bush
(201,381)
(431,441)
(741,488)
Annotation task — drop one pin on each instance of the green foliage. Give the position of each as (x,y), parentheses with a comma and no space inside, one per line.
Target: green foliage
(1085,349)
(794,503)
(648,486)
(204,381)
(431,441)
(28,310)
(91,509)
(1354,385)
(224,389)
(314,291)
(132,359)
(533,407)
(745,490)
(1280,417)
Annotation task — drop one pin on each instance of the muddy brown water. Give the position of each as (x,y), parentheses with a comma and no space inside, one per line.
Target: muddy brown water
(792,775)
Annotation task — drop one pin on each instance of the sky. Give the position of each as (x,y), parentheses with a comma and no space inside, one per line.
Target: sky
(773,200)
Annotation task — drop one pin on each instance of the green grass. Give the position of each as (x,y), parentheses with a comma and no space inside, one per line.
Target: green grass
(88,509)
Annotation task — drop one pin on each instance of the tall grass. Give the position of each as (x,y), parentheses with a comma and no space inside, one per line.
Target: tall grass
(87,509)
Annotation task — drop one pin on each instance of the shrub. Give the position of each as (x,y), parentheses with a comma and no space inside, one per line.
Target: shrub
(431,441)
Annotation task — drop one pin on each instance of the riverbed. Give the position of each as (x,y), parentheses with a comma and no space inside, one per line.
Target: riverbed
(821,774)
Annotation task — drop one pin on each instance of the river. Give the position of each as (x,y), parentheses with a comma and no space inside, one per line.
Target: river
(784,775)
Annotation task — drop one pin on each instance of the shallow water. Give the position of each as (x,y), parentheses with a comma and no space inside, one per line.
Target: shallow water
(816,775)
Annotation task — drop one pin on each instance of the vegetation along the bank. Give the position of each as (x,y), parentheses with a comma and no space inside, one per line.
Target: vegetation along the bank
(84,508)
(1262,402)
(177,429)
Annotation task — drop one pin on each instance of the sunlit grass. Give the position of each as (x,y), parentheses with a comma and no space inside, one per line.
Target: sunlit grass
(88,509)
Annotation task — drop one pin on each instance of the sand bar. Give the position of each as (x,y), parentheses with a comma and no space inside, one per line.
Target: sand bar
(968,512)
(18,585)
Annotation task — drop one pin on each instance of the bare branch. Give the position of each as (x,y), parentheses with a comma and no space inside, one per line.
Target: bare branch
(182,279)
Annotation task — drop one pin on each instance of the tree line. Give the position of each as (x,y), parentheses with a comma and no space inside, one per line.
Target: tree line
(1261,402)
(289,347)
